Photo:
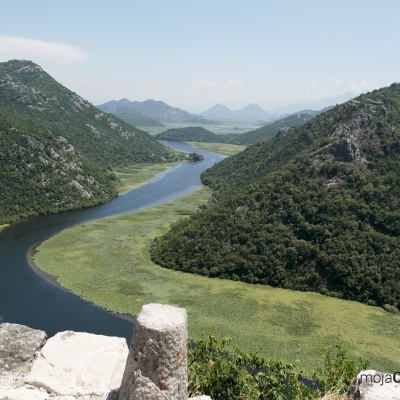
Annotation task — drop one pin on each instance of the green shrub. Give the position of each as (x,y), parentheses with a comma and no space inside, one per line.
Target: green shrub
(338,371)
(224,374)
(391,309)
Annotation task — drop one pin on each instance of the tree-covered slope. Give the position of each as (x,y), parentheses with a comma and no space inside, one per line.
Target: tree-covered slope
(56,149)
(198,134)
(314,209)
(268,130)
(189,134)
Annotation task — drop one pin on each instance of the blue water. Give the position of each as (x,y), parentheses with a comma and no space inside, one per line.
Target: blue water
(28,299)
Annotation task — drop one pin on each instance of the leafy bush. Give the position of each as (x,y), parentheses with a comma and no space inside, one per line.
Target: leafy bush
(391,309)
(217,371)
(223,374)
(339,370)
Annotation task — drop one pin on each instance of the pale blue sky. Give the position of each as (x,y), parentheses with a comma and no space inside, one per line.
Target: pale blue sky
(193,54)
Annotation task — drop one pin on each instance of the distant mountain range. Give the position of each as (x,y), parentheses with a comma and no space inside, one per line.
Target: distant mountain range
(157,113)
(126,111)
(257,114)
(252,112)
(311,105)
(199,134)
(149,113)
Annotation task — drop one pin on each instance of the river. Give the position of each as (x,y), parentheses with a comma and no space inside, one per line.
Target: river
(26,298)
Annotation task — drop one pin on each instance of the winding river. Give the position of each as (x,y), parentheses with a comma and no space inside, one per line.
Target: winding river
(28,299)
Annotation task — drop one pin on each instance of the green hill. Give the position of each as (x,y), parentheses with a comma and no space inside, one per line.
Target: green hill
(198,134)
(189,134)
(315,208)
(57,150)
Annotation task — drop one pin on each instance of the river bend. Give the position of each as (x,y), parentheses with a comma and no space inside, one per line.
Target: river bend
(28,299)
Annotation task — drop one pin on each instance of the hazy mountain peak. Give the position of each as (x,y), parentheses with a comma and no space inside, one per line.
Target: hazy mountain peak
(250,112)
(149,112)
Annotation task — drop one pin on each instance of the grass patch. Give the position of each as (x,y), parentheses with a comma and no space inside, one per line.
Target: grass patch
(107,261)
(4,226)
(219,148)
(138,174)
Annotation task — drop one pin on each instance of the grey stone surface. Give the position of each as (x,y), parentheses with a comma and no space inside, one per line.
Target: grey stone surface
(79,364)
(376,385)
(157,363)
(18,347)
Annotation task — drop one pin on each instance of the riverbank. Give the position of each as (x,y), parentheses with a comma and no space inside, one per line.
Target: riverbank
(136,175)
(4,226)
(107,262)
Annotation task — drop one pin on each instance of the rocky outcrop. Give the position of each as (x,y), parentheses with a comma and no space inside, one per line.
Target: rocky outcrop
(286,130)
(83,366)
(69,366)
(347,139)
(18,347)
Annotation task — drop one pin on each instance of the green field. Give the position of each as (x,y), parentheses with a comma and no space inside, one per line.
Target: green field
(107,262)
(220,148)
(136,175)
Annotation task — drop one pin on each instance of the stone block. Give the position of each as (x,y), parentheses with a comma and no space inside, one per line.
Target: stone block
(157,363)
(80,364)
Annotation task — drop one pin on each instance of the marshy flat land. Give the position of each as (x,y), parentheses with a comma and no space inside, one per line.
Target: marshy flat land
(136,175)
(107,262)
(220,148)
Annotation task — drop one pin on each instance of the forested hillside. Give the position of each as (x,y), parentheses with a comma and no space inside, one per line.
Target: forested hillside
(198,134)
(315,208)
(57,150)
(190,134)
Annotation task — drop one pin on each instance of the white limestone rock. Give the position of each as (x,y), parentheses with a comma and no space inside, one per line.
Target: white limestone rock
(376,385)
(23,394)
(157,363)
(80,364)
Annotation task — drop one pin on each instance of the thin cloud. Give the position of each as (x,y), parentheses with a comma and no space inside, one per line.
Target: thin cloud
(235,83)
(336,81)
(204,83)
(42,52)
(358,86)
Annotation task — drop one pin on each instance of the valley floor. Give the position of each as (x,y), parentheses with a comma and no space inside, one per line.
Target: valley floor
(107,262)
(220,148)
